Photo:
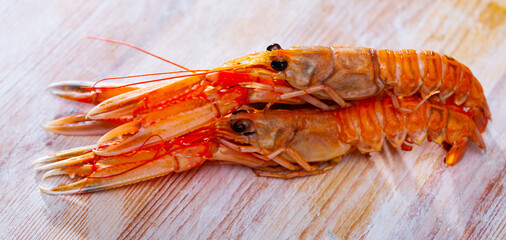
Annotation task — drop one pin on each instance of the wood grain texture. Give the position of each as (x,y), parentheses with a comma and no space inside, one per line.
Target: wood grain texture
(391,195)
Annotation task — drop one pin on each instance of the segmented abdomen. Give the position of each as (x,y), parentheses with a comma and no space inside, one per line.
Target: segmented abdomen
(367,124)
(407,72)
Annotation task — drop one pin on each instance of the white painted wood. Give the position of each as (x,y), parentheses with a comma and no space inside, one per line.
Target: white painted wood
(392,195)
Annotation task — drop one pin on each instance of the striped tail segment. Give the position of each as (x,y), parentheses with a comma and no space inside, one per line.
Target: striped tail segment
(407,72)
(367,124)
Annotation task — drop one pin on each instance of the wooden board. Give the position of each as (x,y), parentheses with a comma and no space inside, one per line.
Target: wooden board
(391,195)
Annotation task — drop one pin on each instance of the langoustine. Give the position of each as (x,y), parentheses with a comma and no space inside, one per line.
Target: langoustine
(272,141)
(176,111)
(305,74)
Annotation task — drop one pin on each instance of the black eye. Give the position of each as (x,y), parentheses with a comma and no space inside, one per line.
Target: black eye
(239,111)
(241,125)
(279,65)
(273,47)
